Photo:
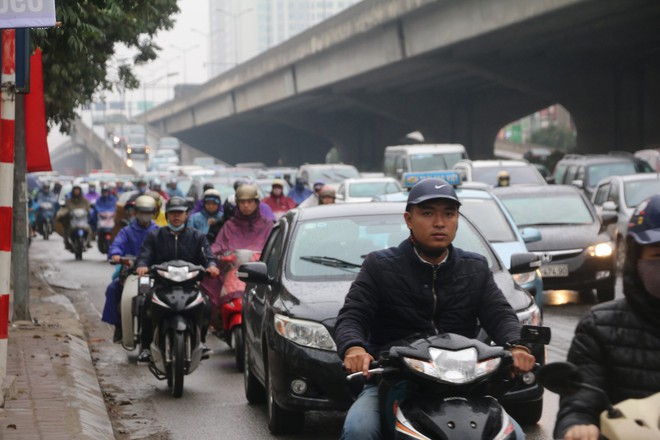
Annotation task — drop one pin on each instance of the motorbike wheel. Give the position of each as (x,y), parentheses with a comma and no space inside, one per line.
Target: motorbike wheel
(177,364)
(102,245)
(78,246)
(46,230)
(237,344)
(254,392)
(280,420)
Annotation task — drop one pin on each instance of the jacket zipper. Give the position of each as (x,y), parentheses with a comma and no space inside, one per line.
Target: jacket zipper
(435,300)
(176,246)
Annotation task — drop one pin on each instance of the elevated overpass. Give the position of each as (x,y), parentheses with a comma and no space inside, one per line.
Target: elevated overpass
(455,70)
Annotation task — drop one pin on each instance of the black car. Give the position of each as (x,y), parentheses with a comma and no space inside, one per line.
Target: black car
(575,251)
(294,293)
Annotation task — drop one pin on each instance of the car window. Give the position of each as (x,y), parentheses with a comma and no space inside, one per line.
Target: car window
(560,171)
(372,189)
(601,194)
(332,175)
(547,209)
(598,172)
(518,174)
(571,173)
(273,250)
(638,190)
(429,162)
(488,217)
(335,248)
(613,196)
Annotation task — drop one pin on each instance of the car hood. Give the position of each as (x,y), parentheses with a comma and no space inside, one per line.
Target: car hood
(554,238)
(321,301)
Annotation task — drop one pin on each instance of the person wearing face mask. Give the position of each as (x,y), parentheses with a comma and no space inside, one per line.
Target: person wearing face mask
(277,201)
(209,219)
(300,192)
(127,242)
(174,242)
(616,346)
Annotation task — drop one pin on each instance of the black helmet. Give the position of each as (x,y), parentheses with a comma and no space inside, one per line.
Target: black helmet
(432,189)
(176,203)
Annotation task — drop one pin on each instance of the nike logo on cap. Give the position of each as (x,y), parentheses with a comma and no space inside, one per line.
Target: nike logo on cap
(439,186)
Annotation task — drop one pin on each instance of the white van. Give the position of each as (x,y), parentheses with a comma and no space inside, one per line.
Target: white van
(400,159)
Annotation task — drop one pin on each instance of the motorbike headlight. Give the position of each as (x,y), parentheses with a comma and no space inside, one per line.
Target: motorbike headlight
(306,333)
(600,250)
(530,316)
(129,163)
(47,205)
(129,150)
(178,274)
(524,278)
(454,366)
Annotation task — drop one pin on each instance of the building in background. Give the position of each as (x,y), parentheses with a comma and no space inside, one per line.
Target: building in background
(242,29)
(520,131)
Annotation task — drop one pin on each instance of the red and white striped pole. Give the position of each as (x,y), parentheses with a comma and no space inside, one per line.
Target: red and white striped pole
(7,111)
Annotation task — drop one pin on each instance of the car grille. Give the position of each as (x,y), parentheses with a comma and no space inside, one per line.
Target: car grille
(548,256)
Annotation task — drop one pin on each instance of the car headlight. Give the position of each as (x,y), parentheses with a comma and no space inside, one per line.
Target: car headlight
(600,250)
(524,278)
(129,150)
(129,163)
(530,316)
(453,366)
(306,333)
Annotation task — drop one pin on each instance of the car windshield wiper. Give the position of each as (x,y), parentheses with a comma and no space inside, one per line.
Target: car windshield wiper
(330,261)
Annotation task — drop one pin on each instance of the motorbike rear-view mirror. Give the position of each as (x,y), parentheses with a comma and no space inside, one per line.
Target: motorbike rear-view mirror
(535,334)
(562,378)
(254,272)
(524,262)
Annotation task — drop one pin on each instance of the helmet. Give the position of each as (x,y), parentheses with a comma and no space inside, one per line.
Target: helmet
(279,182)
(327,191)
(238,183)
(176,203)
(145,204)
(432,189)
(503,174)
(247,192)
(644,225)
(209,185)
(212,195)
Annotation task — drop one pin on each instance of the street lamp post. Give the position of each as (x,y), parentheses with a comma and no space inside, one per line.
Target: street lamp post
(183,55)
(235,16)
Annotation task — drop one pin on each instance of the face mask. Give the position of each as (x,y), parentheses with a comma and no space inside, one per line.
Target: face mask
(649,272)
(144,218)
(175,228)
(142,189)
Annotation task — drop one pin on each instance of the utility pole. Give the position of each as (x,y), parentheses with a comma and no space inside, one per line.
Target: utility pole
(20,254)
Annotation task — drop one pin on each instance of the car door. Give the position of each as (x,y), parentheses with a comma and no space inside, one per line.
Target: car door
(257,296)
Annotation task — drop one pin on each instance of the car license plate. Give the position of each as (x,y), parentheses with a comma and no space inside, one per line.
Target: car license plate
(554,270)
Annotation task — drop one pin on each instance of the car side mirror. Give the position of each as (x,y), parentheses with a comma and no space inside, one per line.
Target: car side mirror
(609,217)
(578,183)
(254,272)
(524,262)
(339,197)
(530,235)
(550,179)
(610,206)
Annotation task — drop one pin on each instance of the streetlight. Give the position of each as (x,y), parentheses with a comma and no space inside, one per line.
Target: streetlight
(183,55)
(235,16)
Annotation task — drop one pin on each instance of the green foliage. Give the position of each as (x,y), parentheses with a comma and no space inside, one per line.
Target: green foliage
(555,137)
(77,55)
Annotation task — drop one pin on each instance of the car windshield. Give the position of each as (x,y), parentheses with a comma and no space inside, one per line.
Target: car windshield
(372,189)
(489,217)
(517,175)
(433,161)
(332,175)
(638,190)
(541,209)
(335,248)
(597,172)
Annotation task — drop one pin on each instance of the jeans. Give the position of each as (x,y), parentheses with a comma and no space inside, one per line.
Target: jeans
(363,418)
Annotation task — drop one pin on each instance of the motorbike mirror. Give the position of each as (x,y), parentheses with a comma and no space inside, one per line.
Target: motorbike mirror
(562,378)
(254,272)
(535,334)
(524,262)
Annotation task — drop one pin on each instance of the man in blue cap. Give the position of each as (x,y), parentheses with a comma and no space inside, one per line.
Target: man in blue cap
(617,344)
(423,286)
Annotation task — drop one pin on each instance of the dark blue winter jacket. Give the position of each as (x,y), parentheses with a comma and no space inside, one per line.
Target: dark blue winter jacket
(129,239)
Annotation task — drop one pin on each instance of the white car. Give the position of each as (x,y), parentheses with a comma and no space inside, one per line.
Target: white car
(162,159)
(365,189)
(520,171)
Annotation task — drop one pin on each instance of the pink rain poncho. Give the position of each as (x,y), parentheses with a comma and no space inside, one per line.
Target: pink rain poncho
(239,232)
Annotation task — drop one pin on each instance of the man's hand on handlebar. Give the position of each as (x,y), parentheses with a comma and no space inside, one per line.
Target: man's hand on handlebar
(357,359)
(213,271)
(582,432)
(142,271)
(523,360)
(115,258)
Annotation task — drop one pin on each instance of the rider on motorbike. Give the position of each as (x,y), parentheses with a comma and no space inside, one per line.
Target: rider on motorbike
(617,344)
(208,219)
(246,229)
(174,242)
(45,195)
(127,242)
(76,201)
(277,201)
(423,286)
(105,203)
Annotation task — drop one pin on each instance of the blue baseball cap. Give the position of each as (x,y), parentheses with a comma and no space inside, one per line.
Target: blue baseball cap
(432,189)
(644,224)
